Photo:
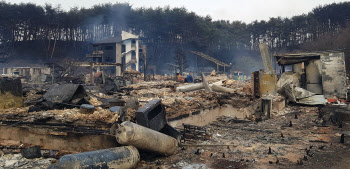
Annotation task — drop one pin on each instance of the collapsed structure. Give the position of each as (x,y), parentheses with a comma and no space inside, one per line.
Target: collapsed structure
(29,73)
(257,122)
(322,73)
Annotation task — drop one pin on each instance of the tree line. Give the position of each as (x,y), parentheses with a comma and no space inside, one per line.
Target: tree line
(51,32)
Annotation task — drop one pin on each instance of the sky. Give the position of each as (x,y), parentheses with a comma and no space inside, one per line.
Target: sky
(232,10)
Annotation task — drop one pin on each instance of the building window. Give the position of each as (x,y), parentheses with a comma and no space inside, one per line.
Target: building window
(108,47)
(133,55)
(123,48)
(133,41)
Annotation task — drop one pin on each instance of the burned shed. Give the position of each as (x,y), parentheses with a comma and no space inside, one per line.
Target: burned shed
(322,72)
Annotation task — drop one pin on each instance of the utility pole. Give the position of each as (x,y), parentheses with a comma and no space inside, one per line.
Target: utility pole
(144,68)
(144,62)
(53,73)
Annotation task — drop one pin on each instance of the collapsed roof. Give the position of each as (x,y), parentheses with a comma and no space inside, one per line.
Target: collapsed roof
(294,58)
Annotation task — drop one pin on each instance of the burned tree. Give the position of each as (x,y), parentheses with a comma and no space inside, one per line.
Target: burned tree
(180,60)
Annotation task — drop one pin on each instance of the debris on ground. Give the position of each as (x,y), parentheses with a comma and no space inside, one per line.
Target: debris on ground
(215,123)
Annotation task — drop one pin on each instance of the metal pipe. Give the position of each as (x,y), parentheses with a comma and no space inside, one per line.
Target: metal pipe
(190,87)
(218,88)
(119,157)
(196,86)
(206,84)
(129,133)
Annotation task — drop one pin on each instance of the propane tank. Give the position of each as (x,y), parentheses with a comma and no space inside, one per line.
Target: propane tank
(129,133)
(119,157)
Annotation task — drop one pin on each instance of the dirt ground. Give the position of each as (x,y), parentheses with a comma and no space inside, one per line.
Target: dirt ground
(245,144)
(295,137)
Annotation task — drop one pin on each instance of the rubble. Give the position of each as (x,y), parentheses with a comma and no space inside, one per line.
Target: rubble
(218,119)
(10,161)
(62,96)
(31,152)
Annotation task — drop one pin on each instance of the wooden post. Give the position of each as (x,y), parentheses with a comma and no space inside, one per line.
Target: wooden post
(53,74)
(103,78)
(144,67)
(92,73)
(217,67)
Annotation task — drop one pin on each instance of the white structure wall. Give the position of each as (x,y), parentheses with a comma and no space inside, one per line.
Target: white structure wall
(131,48)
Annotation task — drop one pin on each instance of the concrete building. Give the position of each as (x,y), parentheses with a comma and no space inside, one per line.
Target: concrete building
(322,72)
(123,50)
(31,73)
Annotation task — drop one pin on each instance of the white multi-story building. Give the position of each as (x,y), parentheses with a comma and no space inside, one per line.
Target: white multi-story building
(123,50)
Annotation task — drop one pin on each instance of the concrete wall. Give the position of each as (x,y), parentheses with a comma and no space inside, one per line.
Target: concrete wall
(129,47)
(32,72)
(127,44)
(333,74)
(109,51)
(314,76)
(118,58)
(268,84)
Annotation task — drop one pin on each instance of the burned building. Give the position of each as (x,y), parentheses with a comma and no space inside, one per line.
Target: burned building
(30,73)
(322,73)
(123,49)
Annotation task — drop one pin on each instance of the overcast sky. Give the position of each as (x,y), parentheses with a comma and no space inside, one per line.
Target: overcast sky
(242,10)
